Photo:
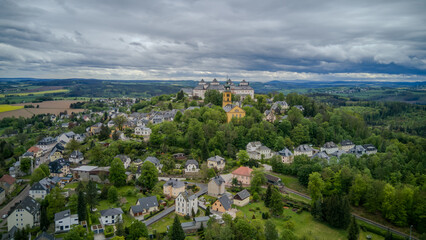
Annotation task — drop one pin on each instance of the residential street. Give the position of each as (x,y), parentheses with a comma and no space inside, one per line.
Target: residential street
(18,198)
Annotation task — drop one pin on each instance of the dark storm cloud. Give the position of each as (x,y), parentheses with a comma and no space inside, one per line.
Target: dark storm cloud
(258,40)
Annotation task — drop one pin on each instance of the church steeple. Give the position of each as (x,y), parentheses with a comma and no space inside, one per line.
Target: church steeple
(227,96)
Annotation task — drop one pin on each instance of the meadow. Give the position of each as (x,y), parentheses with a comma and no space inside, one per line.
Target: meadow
(35,93)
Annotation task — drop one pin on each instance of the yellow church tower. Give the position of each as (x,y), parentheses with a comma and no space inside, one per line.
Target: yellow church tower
(227,97)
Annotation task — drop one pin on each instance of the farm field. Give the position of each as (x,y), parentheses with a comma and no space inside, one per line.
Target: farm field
(7,108)
(36,93)
(48,107)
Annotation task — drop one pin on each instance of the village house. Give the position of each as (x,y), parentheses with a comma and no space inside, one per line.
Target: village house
(279,107)
(144,206)
(145,132)
(233,111)
(216,162)
(7,182)
(321,155)
(66,137)
(95,129)
(273,180)
(191,166)
(46,143)
(304,149)
(179,156)
(186,204)
(300,107)
(346,145)
(257,151)
(192,227)
(370,149)
(338,153)
(154,161)
(111,216)
(124,159)
(357,150)
(216,186)
(242,198)
(269,116)
(38,152)
(27,212)
(222,204)
(329,147)
(286,155)
(64,221)
(173,188)
(59,168)
(40,189)
(82,173)
(243,175)
(76,157)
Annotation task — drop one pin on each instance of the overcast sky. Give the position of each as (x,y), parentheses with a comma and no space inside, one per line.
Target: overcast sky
(190,39)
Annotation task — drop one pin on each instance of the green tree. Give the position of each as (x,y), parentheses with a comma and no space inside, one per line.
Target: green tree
(170,106)
(137,230)
(270,230)
(257,181)
(214,97)
(37,175)
(176,232)
(92,194)
(73,203)
(277,202)
(44,220)
(149,175)
(56,202)
(117,173)
(104,133)
(315,186)
(180,95)
(268,195)
(112,194)
(82,206)
(25,165)
(353,231)
(119,121)
(243,157)
(72,145)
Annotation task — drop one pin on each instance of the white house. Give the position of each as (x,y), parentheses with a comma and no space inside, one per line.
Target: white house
(64,220)
(111,216)
(46,143)
(143,131)
(256,150)
(27,212)
(40,189)
(124,159)
(304,149)
(76,157)
(191,166)
(329,147)
(66,137)
(186,204)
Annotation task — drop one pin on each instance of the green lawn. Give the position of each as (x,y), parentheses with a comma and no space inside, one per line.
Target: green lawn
(71,185)
(304,224)
(161,226)
(291,182)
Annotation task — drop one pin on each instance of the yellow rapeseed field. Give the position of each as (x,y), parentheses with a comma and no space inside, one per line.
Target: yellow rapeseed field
(6,108)
(36,93)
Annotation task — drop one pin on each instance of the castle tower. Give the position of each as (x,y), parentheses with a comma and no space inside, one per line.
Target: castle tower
(227,96)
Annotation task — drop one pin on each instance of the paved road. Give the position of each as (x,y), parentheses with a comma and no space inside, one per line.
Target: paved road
(18,198)
(357,216)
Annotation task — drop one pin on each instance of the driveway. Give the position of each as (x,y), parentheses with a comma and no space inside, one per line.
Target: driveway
(159,216)
(18,198)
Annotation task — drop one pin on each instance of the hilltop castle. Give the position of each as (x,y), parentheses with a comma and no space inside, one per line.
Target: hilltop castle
(243,89)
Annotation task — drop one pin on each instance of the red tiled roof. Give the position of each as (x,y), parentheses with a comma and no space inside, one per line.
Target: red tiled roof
(243,171)
(8,179)
(33,149)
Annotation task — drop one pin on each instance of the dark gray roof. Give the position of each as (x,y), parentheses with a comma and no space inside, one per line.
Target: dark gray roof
(216,159)
(47,141)
(111,212)
(148,202)
(218,180)
(330,145)
(285,152)
(369,147)
(229,107)
(226,202)
(174,183)
(338,153)
(1,190)
(346,143)
(242,195)
(191,161)
(321,155)
(137,209)
(358,149)
(153,160)
(76,154)
(303,148)
(28,204)
(62,215)
(272,178)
